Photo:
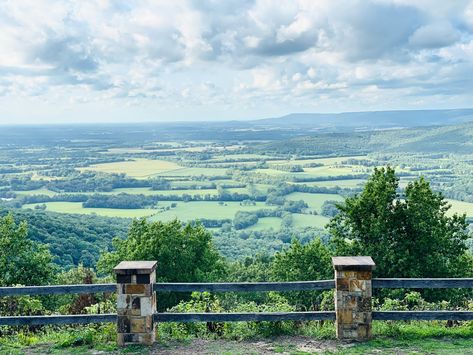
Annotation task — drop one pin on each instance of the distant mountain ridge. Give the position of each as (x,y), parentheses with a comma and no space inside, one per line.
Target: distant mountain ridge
(367,120)
(446,139)
(267,129)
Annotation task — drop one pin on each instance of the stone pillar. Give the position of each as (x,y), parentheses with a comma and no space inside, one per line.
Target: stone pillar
(136,302)
(353,296)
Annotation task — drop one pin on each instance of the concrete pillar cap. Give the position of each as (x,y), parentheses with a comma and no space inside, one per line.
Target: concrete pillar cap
(353,263)
(135,267)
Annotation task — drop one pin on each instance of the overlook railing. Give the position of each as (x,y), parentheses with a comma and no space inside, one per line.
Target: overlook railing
(136,301)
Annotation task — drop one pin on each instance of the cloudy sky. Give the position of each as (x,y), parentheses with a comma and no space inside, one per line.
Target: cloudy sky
(132,60)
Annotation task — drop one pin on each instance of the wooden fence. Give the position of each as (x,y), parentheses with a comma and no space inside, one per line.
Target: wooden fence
(380,283)
(422,283)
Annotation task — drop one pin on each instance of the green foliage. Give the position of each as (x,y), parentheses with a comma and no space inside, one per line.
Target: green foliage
(205,302)
(83,303)
(411,301)
(72,239)
(22,261)
(184,253)
(407,236)
(303,263)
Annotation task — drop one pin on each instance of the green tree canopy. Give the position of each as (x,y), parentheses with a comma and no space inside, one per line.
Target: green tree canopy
(22,261)
(184,253)
(303,263)
(407,236)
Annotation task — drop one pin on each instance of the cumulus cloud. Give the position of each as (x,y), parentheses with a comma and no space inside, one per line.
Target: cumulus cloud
(328,55)
(434,35)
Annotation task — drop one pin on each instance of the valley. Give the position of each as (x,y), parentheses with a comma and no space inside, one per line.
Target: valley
(254,195)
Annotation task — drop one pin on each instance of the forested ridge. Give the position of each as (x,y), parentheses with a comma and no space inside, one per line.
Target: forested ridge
(72,239)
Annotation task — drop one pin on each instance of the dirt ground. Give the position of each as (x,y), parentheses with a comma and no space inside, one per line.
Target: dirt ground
(280,345)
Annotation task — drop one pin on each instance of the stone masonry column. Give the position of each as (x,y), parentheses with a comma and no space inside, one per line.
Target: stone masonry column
(136,302)
(353,296)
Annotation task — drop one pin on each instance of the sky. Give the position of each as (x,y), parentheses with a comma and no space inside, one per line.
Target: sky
(131,60)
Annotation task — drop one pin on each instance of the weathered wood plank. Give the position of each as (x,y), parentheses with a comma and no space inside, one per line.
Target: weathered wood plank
(423,315)
(423,283)
(61,319)
(56,289)
(243,317)
(245,286)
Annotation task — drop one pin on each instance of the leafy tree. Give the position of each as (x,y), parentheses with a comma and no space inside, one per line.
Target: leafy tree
(22,261)
(184,253)
(303,263)
(329,208)
(244,219)
(407,237)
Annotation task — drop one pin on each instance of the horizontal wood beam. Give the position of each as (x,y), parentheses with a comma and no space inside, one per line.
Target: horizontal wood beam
(423,315)
(423,283)
(56,289)
(60,319)
(240,286)
(243,317)
(245,286)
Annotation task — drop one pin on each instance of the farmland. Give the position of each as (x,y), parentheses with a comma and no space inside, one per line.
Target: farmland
(255,196)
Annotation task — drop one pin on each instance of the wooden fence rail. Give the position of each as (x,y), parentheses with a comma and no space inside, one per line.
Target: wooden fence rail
(243,317)
(423,315)
(423,283)
(58,319)
(343,285)
(56,289)
(245,286)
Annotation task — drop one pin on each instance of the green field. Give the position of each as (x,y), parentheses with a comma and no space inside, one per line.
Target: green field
(76,207)
(36,192)
(195,172)
(461,207)
(138,168)
(315,201)
(147,191)
(329,171)
(266,223)
(187,211)
(308,220)
(324,161)
(349,183)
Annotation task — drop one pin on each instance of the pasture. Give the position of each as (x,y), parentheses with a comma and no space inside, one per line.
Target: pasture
(266,223)
(461,207)
(188,211)
(76,207)
(183,172)
(315,201)
(308,220)
(138,168)
(348,183)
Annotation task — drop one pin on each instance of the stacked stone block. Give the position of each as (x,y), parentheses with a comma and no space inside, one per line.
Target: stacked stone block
(353,294)
(136,302)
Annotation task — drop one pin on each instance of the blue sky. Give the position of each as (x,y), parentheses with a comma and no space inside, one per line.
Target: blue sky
(116,61)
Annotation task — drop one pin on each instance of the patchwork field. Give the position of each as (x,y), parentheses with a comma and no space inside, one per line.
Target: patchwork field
(76,207)
(461,207)
(266,223)
(198,171)
(205,209)
(315,201)
(138,168)
(182,172)
(307,220)
(349,183)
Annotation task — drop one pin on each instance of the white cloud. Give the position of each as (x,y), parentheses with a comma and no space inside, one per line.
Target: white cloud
(434,35)
(234,55)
